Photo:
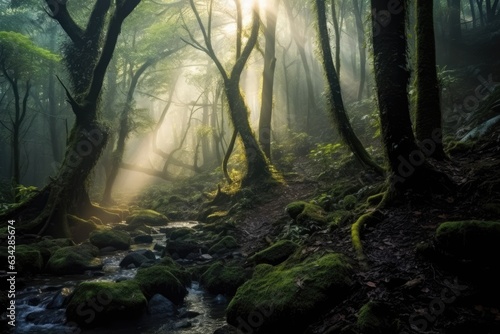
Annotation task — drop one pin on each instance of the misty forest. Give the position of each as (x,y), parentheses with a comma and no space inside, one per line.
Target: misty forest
(250,166)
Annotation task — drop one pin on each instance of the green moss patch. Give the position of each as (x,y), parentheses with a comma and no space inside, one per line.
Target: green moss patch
(304,211)
(28,259)
(96,303)
(74,260)
(224,279)
(110,238)
(147,217)
(227,243)
(286,298)
(275,254)
(159,279)
(80,229)
(470,240)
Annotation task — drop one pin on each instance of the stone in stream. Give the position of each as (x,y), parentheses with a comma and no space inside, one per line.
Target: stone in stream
(74,260)
(137,258)
(143,239)
(113,238)
(158,304)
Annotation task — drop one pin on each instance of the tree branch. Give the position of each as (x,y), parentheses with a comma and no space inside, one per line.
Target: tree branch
(60,13)
(96,20)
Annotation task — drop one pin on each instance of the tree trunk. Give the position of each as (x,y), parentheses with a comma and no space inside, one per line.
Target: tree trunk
(338,31)
(337,108)
(266,108)
(428,108)
(361,48)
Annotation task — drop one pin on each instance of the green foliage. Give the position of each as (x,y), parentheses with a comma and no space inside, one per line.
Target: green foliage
(327,154)
(21,57)
(24,193)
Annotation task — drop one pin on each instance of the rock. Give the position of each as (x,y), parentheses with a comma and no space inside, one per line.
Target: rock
(60,299)
(176,233)
(472,240)
(206,257)
(29,260)
(159,247)
(159,279)
(74,260)
(349,202)
(285,298)
(115,302)
(143,239)
(224,279)
(182,324)
(80,229)
(277,253)
(146,217)
(158,304)
(113,238)
(146,253)
(226,244)
(48,246)
(185,247)
(107,250)
(133,258)
(303,212)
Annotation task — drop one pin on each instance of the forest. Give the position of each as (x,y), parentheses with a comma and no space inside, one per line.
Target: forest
(250,166)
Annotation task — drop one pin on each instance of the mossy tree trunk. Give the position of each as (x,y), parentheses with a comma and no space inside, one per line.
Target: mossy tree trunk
(266,109)
(428,108)
(407,163)
(361,46)
(86,59)
(257,165)
(337,108)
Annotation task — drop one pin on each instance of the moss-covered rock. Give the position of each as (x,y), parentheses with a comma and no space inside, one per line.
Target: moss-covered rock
(49,246)
(349,202)
(159,279)
(376,318)
(225,244)
(180,233)
(147,217)
(74,260)
(28,259)
(80,229)
(184,247)
(275,254)
(304,212)
(96,303)
(223,279)
(286,298)
(182,274)
(470,240)
(110,238)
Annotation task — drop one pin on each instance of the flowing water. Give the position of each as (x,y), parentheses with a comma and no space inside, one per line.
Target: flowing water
(40,307)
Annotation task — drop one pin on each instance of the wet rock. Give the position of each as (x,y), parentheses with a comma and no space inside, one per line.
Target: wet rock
(226,244)
(74,260)
(146,217)
(134,259)
(182,324)
(113,238)
(143,239)
(275,254)
(158,304)
(224,279)
(160,279)
(185,247)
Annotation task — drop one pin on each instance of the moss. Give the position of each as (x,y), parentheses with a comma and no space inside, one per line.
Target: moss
(303,212)
(48,246)
(160,279)
(224,244)
(216,215)
(337,218)
(96,303)
(470,240)
(181,232)
(349,202)
(80,229)
(275,254)
(112,238)
(147,217)
(290,297)
(262,269)
(184,247)
(28,259)
(74,260)
(177,270)
(376,318)
(224,279)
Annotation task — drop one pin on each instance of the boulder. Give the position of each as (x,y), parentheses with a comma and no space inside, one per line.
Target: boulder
(159,279)
(158,304)
(133,258)
(110,238)
(223,279)
(80,229)
(303,212)
(285,298)
(74,260)
(183,247)
(226,244)
(147,217)
(97,303)
(275,254)
(143,239)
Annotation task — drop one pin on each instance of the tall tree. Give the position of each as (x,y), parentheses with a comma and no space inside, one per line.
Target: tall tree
(266,108)
(361,45)
(428,107)
(257,165)
(87,57)
(337,108)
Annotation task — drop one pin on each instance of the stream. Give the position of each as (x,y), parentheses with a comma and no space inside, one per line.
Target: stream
(40,307)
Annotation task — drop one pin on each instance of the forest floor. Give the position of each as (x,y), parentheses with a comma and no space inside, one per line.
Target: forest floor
(426,292)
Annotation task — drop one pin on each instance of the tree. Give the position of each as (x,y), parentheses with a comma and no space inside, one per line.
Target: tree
(87,56)
(337,108)
(361,45)
(428,106)
(266,108)
(20,60)
(257,165)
